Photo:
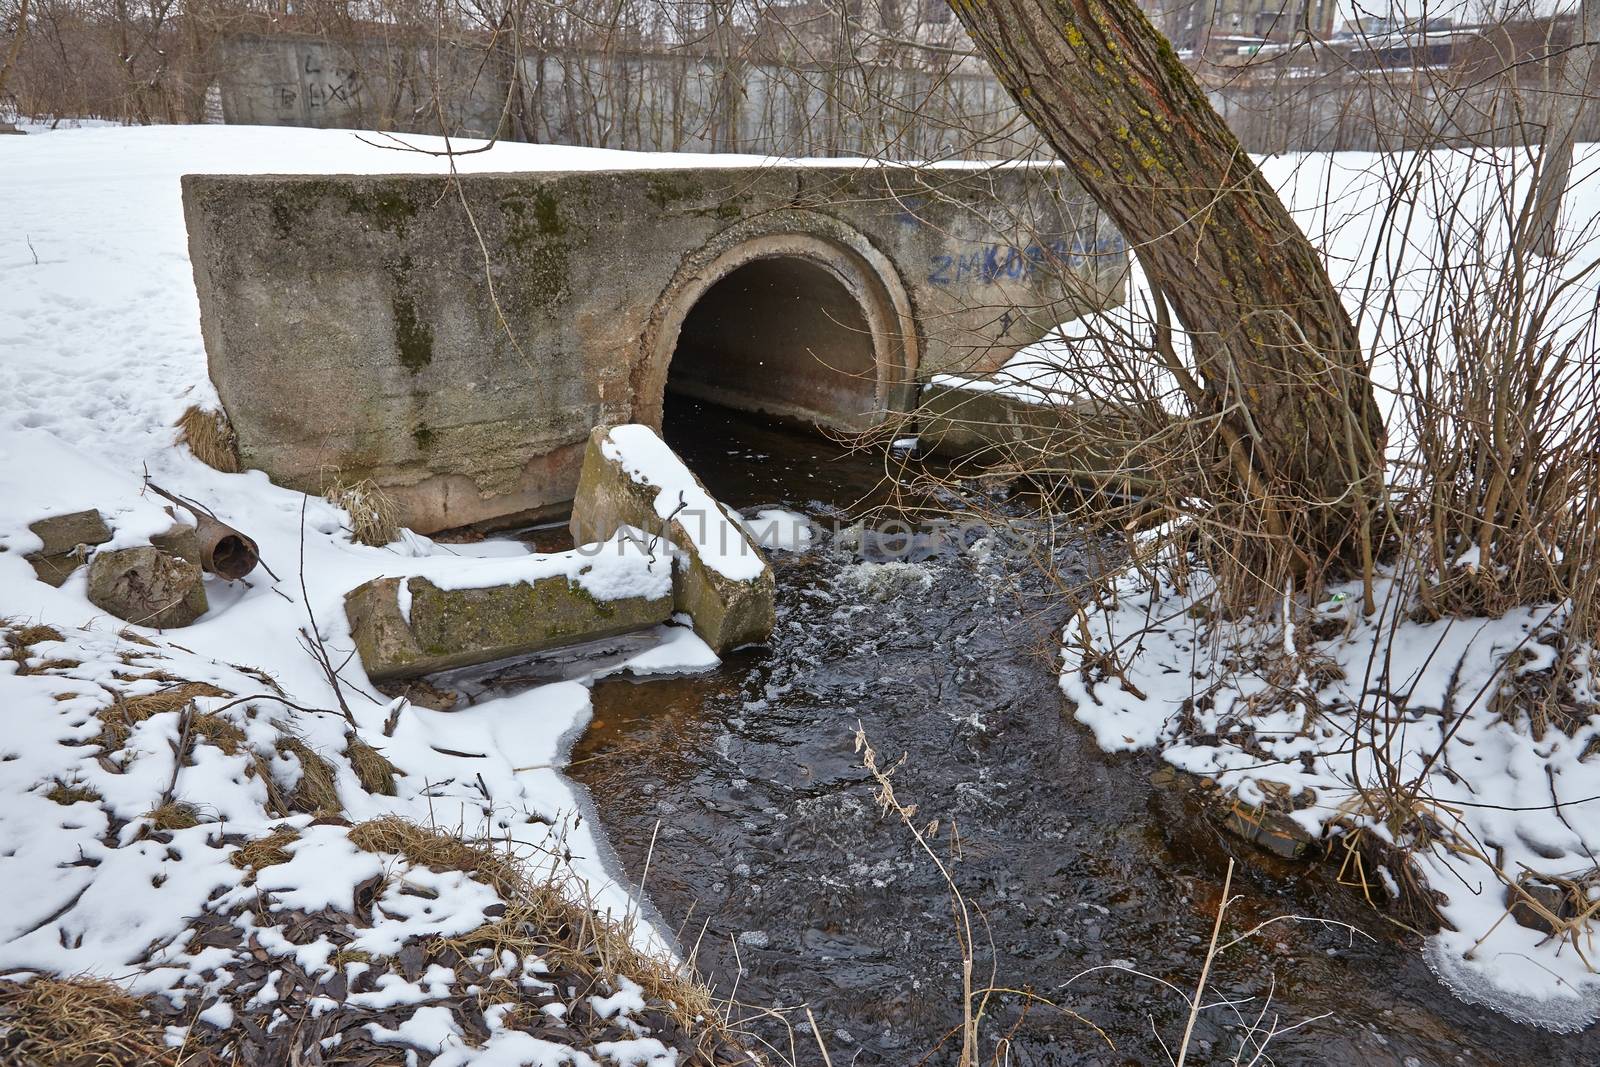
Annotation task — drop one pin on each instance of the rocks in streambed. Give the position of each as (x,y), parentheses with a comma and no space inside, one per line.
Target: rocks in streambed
(720,579)
(478,610)
(147,586)
(67,541)
(1268,829)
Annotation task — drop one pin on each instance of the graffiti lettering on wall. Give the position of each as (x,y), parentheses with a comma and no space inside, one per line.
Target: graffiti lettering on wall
(323,87)
(994,262)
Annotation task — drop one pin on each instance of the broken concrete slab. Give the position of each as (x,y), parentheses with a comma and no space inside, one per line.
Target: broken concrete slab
(147,587)
(477,611)
(67,539)
(721,580)
(998,422)
(181,539)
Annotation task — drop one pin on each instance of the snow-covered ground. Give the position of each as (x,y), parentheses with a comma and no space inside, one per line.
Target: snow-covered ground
(100,350)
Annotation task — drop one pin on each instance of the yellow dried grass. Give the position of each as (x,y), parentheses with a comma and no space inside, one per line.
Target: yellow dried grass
(542,921)
(374,515)
(53,1022)
(209,435)
(265,851)
(174,815)
(372,768)
(316,793)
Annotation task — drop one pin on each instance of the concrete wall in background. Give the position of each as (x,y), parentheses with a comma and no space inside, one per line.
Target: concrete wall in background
(690,103)
(643,102)
(352,332)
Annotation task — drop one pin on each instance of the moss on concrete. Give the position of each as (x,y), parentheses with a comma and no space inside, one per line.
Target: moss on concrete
(457,627)
(667,188)
(412,336)
(385,206)
(538,237)
(504,616)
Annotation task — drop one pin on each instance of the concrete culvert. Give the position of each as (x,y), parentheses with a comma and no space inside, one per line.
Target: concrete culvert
(781,335)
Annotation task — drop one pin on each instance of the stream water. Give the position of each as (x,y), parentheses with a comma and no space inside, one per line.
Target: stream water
(743,790)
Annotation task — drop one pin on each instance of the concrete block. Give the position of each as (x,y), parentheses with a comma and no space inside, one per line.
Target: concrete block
(721,580)
(412,626)
(181,540)
(66,540)
(148,587)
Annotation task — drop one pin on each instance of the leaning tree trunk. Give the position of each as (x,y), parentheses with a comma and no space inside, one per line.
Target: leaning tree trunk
(1300,443)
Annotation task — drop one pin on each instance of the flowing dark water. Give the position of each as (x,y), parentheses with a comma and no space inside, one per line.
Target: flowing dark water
(771,856)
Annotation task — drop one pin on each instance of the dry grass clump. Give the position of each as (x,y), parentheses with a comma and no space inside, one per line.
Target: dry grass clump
(64,794)
(317,793)
(174,815)
(218,732)
(127,634)
(265,851)
(140,708)
(542,921)
(21,639)
(210,437)
(372,768)
(118,720)
(81,1022)
(374,516)
(438,851)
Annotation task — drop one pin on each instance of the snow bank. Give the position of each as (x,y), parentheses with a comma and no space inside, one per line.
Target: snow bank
(100,346)
(778,530)
(1322,725)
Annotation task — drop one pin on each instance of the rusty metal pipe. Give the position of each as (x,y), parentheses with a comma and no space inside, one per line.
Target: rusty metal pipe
(224,551)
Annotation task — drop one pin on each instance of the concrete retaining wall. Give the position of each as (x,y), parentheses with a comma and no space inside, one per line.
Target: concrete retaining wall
(684,102)
(641,101)
(352,331)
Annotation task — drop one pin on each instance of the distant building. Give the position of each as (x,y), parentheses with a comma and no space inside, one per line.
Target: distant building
(1212,28)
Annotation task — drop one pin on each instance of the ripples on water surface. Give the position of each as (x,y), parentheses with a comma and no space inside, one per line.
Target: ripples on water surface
(771,855)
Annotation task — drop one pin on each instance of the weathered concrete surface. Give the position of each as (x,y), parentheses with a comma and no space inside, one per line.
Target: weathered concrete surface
(639,100)
(728,610)
(148,587)
(1080,438)
(460,627)
(350,327)
(181,539)
(66,541)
